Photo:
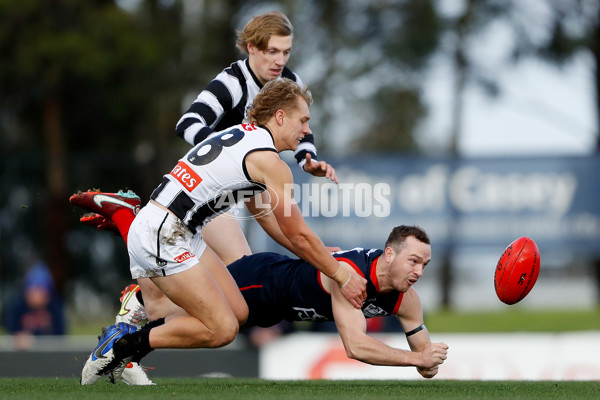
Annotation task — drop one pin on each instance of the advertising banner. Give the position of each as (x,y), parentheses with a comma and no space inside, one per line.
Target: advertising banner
(460,202)
(518,356)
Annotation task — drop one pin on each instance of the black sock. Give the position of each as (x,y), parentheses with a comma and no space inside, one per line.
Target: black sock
(154,324)
(136,344)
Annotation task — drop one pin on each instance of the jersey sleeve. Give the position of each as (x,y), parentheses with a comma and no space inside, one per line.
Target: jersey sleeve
(307,145)
(221,95)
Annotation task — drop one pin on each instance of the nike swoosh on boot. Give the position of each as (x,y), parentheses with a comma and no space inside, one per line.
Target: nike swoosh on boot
(98,351)
(101,198)
(124,310)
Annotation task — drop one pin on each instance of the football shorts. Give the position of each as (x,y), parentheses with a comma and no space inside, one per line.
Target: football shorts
(159,244)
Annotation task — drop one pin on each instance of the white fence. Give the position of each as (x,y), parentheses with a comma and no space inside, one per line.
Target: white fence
(520,356)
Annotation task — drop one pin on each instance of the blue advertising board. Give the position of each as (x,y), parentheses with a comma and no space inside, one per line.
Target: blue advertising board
(465,202)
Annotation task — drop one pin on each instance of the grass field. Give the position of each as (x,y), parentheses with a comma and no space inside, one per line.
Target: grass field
(513,319)
(510,320)
(225,389)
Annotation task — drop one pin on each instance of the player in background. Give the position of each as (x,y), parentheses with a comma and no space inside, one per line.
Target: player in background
(190,298)
(267,41)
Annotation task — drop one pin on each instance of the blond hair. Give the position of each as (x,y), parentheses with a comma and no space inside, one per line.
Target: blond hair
(259,30)
(278,94)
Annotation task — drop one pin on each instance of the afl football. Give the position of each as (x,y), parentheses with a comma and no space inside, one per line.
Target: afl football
(517,270)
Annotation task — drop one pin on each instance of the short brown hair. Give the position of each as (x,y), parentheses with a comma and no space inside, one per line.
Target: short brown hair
(278,94)
(400,233)
(259,30)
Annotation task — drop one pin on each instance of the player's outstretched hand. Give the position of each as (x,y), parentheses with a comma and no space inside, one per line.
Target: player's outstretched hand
(432,355)
(355,291)
(320,168)
(428,372)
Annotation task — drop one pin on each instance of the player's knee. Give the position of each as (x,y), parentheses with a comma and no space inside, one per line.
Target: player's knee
(226,333)
(241,313)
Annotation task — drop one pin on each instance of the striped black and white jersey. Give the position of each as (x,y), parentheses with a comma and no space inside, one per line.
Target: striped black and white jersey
(212,177)
(225,102)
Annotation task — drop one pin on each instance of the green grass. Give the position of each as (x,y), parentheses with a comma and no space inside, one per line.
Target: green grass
(513,320)
(509,320)
(88,327)
(225,389)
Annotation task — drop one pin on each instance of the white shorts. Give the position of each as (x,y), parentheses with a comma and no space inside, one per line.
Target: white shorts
(159,244)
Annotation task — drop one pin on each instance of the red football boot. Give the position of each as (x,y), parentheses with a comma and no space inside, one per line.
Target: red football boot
(120,208)
(99,222)
(106,204)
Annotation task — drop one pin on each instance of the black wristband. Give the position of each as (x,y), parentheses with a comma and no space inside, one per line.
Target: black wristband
(417,329)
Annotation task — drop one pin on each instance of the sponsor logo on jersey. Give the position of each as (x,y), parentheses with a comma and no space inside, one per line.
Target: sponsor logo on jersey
(372,310)
(309,314)
(185,256)
(186,176)
(249,127)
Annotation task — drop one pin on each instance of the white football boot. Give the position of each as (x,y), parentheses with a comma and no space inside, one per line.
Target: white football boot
(134,374)
(102,360)
(132,312)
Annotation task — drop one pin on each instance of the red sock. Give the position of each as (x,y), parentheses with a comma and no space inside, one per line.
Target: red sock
(123,219)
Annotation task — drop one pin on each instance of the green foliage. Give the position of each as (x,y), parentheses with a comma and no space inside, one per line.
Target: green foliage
(573,27)
(82,78)
(399,112)
(418,34)
(448,321)
(225,389)
(369,54)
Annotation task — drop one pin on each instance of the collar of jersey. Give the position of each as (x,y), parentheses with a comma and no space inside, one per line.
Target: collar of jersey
(270,134)
(373,273)
(260,85)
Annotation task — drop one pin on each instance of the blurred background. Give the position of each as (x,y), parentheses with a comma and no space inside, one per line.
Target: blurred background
(480,116)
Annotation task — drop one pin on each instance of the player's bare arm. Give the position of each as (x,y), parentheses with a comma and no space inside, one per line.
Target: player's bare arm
(352,327)
(257,207)
(268,222)
(276,175)
(410,315)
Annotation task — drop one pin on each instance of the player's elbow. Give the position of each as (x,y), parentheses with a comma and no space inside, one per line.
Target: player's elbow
(350,353)
(180,128)
(353,351)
